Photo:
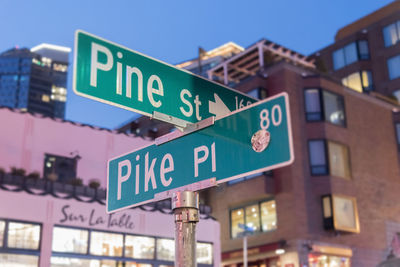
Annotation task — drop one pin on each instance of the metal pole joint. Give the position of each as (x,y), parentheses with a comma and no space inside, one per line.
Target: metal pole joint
(186,214)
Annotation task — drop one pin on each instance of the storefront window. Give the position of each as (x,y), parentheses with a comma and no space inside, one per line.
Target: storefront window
(18,260)
(2,226)
(64,262)
(106,244)
(328,261)
(204,253)
(70,240)
(23,235)
(139,247)
(166,249)
(75,262)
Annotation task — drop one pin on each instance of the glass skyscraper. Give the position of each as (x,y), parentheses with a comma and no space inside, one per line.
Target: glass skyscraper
(35,80)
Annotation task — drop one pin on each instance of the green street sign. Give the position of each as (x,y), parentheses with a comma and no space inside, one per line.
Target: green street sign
(112,74)
(254,139)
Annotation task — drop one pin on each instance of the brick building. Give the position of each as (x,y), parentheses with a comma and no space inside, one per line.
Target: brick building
(337,203)
(366,54)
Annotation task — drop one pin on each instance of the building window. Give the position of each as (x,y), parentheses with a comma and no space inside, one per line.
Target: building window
(318,162)
(20,238)
(23,235)
(2,227)
(329,158)
(59,168)
(258,93)
(391,34)
(139,247)
(259,217)
(18,260)
(76,262)
(70,240)
(323,105)
(165,249)
(350,53)
(393,65)
(106,244)
(359,81)
(106,249)
(204,253)
(396,94)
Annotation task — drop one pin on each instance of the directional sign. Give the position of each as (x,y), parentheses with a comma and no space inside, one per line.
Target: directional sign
(112,74)
(226,150)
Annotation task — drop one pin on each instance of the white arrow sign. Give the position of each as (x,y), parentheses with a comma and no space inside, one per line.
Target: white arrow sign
(218,108)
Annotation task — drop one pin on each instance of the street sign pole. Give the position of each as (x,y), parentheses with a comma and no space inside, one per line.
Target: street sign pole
(186,213)
(246,230)
(245,250)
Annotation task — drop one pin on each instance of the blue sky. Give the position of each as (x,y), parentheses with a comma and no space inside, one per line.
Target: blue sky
(173,30)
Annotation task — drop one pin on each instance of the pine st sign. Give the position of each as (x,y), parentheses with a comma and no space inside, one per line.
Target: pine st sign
(112,74)
(251,140)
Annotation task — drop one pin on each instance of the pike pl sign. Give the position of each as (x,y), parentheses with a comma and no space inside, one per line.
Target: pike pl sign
(212,155)
(112,74)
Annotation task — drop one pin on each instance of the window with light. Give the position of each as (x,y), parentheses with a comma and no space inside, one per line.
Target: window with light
(253,218)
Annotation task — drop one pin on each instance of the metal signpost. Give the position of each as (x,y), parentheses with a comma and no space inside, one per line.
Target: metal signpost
(113,74)
(219,142)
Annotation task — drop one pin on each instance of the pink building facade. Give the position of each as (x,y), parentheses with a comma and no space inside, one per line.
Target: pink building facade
(44,226)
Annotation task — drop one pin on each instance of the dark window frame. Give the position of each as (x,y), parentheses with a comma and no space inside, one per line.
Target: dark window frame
(73,160)
(322,117)
(325,146)
(360,57)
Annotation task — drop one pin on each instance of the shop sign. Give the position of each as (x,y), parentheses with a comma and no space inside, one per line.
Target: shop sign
(121,221)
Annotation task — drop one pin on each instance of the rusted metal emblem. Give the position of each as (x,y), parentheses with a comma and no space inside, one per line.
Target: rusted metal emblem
(260,140)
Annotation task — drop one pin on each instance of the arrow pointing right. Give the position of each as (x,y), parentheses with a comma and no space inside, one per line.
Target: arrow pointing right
(218,108)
